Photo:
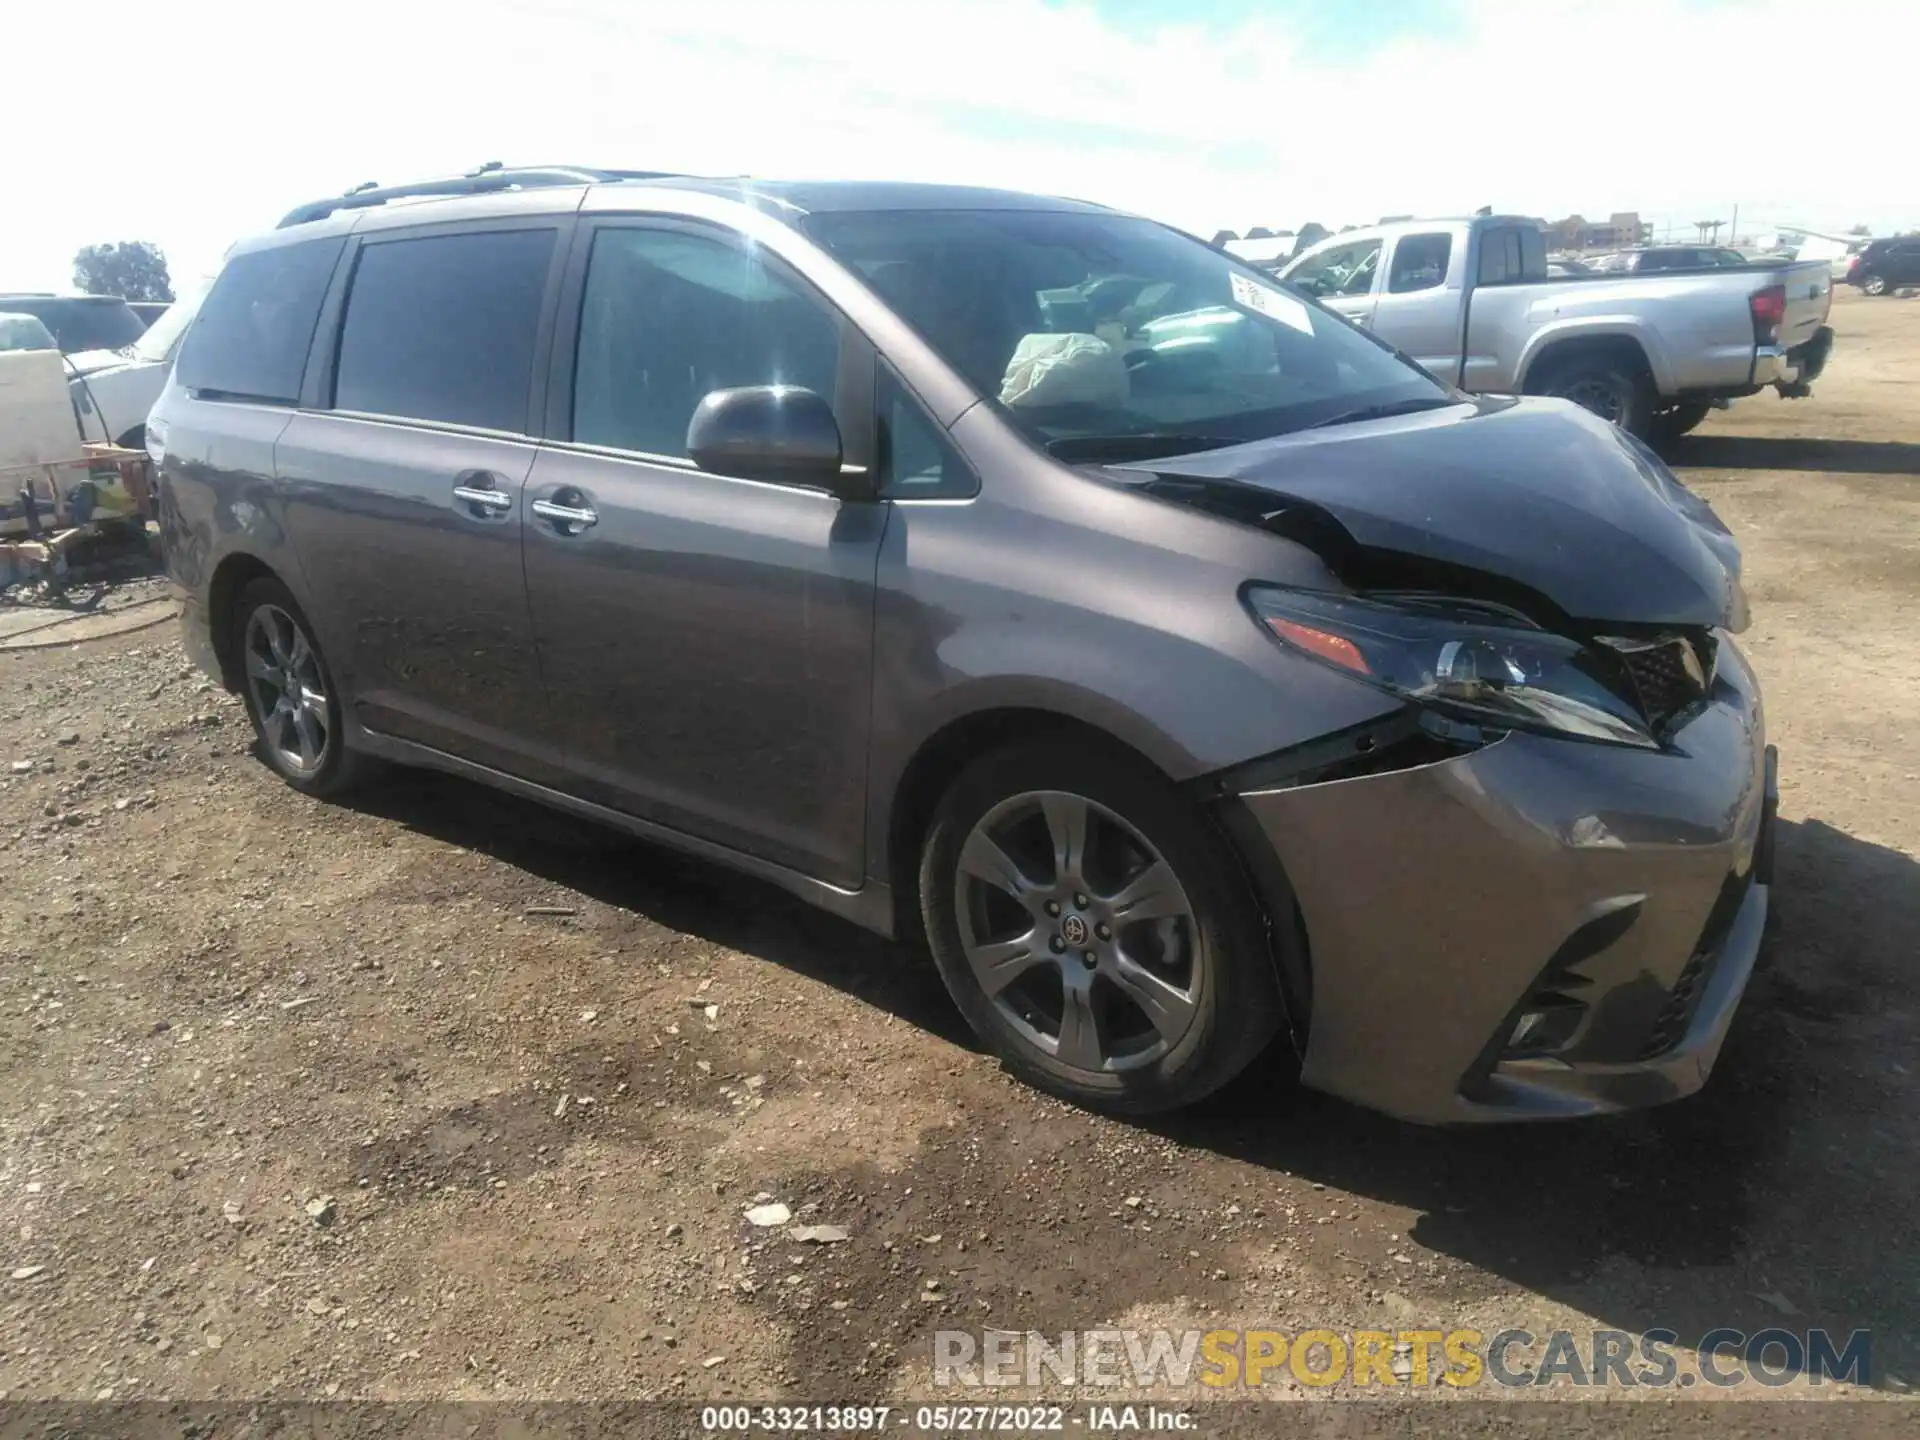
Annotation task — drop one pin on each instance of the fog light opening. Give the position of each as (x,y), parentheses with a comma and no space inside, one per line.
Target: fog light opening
(1548,1026)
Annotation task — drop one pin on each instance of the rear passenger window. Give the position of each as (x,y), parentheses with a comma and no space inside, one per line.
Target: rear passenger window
(1419,263)
(1512,256)
(250,340)
(668,317)
(441,328)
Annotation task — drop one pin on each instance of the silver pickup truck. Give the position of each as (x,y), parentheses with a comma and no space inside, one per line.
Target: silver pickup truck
(1472,302)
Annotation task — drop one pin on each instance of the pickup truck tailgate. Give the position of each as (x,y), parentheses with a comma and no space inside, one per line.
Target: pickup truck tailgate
(1809,298)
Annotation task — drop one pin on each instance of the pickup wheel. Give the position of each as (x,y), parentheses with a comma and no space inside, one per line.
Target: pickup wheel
(1672,423)
(1617,391)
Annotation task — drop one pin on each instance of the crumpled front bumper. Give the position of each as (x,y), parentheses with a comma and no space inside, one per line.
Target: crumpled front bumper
(1438,901)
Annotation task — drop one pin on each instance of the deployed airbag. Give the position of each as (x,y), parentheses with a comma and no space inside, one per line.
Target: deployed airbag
(1070,369)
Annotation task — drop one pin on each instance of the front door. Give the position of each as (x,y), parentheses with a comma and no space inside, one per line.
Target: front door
(1419,311)
(404,496)
(707,642)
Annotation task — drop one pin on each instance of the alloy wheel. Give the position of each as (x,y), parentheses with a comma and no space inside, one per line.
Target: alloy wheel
(1078,932)
(288,690)
(1599,395)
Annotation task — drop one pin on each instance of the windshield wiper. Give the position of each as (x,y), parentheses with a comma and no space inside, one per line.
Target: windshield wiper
(1133,445)
(1381,412)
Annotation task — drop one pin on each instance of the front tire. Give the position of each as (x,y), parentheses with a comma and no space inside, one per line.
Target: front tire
(1095,929)
(290,693)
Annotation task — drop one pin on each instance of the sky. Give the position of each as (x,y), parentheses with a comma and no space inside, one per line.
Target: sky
(211,118)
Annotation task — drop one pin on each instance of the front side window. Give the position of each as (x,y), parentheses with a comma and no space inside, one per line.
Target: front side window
(251,337)
(1343,270)
(441,327)
(1087,329)
(917,461)
(668,317)
(1419,263)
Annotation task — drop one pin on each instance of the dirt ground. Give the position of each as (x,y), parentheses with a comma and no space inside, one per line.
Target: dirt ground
(436,1094)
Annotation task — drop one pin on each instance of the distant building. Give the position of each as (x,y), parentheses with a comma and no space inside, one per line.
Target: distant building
(1618,231)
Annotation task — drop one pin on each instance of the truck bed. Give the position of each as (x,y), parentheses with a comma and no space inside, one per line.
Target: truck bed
(1703,343)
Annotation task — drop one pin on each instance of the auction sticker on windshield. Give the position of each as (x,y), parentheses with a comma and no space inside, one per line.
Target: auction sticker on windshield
(1274,304)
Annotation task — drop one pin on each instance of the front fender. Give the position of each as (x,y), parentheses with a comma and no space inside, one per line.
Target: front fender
(1147,643)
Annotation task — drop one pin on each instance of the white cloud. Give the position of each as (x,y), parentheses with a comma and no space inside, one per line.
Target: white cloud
(211,117)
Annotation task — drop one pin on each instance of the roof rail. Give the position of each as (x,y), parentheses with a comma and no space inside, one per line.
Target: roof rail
(489,177)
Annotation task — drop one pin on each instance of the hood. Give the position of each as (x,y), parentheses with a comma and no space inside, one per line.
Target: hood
(1515,500)
(92,362)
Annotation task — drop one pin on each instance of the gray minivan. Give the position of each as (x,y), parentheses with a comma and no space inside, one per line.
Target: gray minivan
(1187,668)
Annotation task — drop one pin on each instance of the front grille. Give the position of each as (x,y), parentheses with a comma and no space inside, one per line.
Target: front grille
(1671,673)
(1670,1025)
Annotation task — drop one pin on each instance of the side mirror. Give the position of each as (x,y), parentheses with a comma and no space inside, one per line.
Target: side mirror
(782,433)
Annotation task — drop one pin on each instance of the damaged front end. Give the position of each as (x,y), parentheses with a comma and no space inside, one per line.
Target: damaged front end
(1506,567)
(1538,889)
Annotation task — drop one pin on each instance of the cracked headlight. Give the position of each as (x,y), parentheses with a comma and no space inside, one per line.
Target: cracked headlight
(1480,664)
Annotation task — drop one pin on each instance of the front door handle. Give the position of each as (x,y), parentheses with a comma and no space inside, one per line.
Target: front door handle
(497,502)
(479,491)
(566,519)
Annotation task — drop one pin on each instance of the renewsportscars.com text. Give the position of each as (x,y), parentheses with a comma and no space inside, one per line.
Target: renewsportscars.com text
(1413,1358)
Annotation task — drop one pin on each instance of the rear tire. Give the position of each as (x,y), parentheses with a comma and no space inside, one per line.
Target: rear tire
(1617,390)
(1095,930)
(1875,285)
(290,694)
(1671,424)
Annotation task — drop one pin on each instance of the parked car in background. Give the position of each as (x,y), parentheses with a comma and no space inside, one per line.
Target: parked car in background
(1669,257)
(1885,266)
(1188,667)
(149,310)
(79,322)
(114,389)
(1474,302)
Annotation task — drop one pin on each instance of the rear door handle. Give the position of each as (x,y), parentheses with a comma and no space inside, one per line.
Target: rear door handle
(566,519)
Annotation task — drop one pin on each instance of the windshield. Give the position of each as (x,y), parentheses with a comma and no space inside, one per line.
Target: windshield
(82,323)
(1087,325)
(161,337)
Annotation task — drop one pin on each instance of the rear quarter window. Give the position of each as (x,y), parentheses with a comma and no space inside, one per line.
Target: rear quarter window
(251,337)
